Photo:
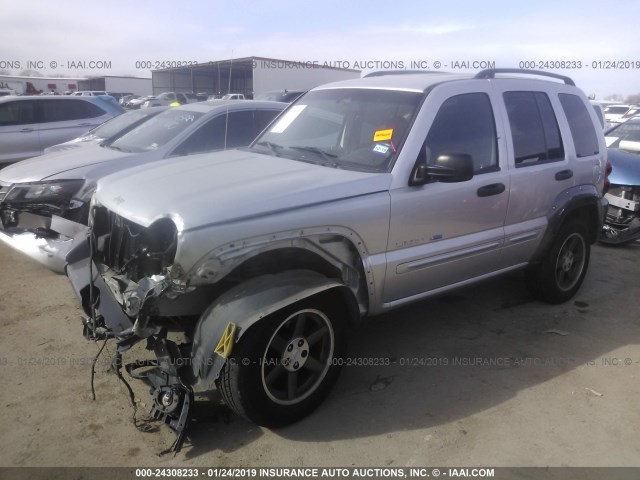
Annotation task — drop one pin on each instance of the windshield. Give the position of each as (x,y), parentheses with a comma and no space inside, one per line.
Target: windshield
(625,136)
(632,112)
(278,96)
(359,129)
(120,123)
(616,110)
(157,131)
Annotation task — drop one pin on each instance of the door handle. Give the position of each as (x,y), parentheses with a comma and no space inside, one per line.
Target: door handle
(564,175)
(26,130)
(84,124)
(493,189)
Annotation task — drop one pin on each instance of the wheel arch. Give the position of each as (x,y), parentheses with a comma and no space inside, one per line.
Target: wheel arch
(246,304)
(580,203)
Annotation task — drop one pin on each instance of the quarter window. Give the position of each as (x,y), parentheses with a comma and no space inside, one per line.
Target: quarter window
(580,124)
(534,128)
(465,124)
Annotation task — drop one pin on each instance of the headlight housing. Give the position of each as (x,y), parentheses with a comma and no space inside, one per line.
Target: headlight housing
(44,192)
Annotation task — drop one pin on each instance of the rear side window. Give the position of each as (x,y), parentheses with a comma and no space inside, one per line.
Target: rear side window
(16,113)
(62,110)
(580,124)
(465,124)
(534,128)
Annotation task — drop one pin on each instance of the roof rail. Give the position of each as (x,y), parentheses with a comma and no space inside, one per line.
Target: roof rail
(491,73)
(382,73)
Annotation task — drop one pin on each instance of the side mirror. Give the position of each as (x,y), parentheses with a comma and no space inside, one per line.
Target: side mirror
(450,168)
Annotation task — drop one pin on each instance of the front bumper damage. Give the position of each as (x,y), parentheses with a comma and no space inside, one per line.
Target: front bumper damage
(123,310)
(42,231)
(47,240)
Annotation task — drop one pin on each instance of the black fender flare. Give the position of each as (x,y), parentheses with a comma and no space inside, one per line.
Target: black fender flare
(230,315)
(566,203)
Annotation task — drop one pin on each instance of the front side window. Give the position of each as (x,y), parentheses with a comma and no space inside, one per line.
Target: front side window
(156,132)
(465,124)
(359,129)
(236,129)
(534,128)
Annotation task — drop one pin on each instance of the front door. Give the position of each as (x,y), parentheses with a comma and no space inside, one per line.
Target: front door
(445,233)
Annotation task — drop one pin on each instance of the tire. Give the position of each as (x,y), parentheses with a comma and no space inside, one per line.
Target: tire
(559,276)
(285,365)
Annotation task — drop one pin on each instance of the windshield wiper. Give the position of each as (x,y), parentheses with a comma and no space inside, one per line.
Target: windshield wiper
(274,147)
(108,145)
(326,155)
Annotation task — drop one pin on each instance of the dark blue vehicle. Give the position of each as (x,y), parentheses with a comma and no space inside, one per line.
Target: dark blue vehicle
(622,222)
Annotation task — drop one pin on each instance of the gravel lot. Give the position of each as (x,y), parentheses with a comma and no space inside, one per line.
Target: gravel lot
(482,377)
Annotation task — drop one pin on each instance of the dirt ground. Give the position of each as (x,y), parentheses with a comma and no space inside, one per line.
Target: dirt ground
(482,377)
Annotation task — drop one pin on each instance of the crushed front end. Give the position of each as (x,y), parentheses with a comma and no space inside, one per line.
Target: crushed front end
(122,273)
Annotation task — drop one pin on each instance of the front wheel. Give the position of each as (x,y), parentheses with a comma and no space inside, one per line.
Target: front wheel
(559,276)
(284,367)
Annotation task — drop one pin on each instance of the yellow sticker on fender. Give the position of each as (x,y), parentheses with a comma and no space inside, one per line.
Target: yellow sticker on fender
(382,135)
(225,345)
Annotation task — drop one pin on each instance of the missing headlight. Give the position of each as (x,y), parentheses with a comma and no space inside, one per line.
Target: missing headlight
(127,247)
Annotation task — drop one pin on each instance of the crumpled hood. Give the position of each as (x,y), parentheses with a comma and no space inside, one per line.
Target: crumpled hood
(228,186)
(40,168)
(626,167)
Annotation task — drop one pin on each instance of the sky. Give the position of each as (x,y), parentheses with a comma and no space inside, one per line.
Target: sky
(599,43)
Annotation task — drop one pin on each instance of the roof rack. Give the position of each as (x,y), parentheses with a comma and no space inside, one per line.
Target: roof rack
(491,73)
(382,73)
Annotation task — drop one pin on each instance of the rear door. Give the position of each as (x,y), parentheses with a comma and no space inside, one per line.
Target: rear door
(19,136)
(540,167)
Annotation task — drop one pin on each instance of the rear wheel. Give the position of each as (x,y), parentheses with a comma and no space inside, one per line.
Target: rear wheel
(284,366)
(559,276)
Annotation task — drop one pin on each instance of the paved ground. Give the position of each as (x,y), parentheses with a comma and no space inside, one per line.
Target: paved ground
(485,376)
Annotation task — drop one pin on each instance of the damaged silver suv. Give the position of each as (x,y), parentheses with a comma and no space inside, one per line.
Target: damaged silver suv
(362,196)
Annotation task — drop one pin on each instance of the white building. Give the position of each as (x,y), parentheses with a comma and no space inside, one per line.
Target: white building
(36,85)
(60,85)
(249,76)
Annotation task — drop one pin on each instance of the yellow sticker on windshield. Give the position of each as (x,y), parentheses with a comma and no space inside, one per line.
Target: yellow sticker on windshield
(382,135)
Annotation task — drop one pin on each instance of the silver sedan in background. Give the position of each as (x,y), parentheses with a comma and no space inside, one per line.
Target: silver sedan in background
(44,201)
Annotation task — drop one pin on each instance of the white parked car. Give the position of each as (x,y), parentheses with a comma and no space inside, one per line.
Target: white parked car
(613,113)
(90,93)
